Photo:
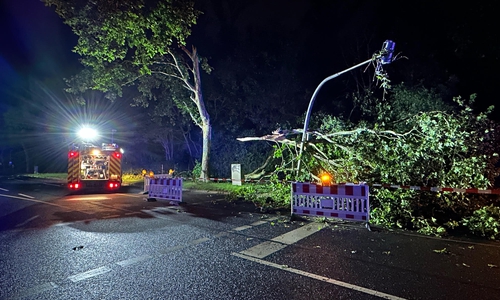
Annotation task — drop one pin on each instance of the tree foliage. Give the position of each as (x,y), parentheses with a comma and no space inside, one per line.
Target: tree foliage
(141,43)
(437,146)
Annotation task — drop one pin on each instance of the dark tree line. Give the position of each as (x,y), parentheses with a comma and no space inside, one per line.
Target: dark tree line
(266,65)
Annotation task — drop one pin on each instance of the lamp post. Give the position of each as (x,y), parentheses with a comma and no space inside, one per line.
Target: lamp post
(385,57)
(112,135)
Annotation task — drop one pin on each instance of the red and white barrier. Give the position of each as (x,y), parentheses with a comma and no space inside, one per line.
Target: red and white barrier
(438,189)
(165,188)
(147,179)
(347,201)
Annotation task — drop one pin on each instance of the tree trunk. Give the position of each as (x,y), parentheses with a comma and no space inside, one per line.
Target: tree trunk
(205,157)
(206,127)
(27,158)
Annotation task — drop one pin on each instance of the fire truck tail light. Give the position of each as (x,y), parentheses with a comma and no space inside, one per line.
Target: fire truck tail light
(72,154)
(117,155)
(74,186)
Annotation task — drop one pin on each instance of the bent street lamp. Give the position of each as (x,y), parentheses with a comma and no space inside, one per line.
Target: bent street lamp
(384,57)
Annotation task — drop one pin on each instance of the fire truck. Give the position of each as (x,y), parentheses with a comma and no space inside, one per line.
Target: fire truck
(94,167)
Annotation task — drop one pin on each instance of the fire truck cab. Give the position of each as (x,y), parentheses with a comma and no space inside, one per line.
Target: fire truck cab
(94,167)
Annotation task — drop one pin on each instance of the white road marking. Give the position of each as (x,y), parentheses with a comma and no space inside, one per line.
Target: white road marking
(156,215)
(27,221)
(242,228)
(5,190)
(264,249)
(172,249)
(53,184)
(130,195)
(258,223)
(199,241)
(221,234)
(321,278)
(89,274)
(33,200)
(296,235)
(134,260)
(111,217)
(24,195)
(64,224)
(87,198)
(36,290)
(269,247)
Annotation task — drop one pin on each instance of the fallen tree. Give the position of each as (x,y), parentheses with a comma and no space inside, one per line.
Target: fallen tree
(454,148)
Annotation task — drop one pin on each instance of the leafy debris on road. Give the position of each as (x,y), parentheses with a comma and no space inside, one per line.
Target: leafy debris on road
(442,251)
(354,251)
(284,266)
(77,248)
(465,265)
(386,252)
(471,247)
(492,266)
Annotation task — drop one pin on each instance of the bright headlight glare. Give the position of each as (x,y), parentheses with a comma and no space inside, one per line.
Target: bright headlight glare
(87,133)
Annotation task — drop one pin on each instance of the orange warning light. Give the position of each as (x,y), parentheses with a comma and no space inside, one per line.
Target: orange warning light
(326,179)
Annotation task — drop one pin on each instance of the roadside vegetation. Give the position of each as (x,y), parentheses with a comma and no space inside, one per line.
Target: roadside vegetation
(410,138)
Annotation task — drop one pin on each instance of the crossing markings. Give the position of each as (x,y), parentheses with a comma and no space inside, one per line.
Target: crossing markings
(269,247)
(257,223)
(278,243)
(321,278)
(241,228)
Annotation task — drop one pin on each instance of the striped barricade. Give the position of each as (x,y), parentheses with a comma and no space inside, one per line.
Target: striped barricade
(148,178)
(347,201)
(165,188)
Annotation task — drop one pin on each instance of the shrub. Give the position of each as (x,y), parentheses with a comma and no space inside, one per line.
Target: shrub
(485,222)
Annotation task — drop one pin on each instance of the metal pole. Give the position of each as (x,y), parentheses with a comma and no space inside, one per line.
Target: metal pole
(308,115)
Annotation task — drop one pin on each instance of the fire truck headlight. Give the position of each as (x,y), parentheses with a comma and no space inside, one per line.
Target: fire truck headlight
(87,133)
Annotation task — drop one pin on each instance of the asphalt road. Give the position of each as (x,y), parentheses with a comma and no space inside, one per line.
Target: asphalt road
(118,246)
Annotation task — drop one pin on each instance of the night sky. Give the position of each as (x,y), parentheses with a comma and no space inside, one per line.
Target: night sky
(447,43)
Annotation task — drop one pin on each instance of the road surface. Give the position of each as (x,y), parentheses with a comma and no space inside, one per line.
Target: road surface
(119,246)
